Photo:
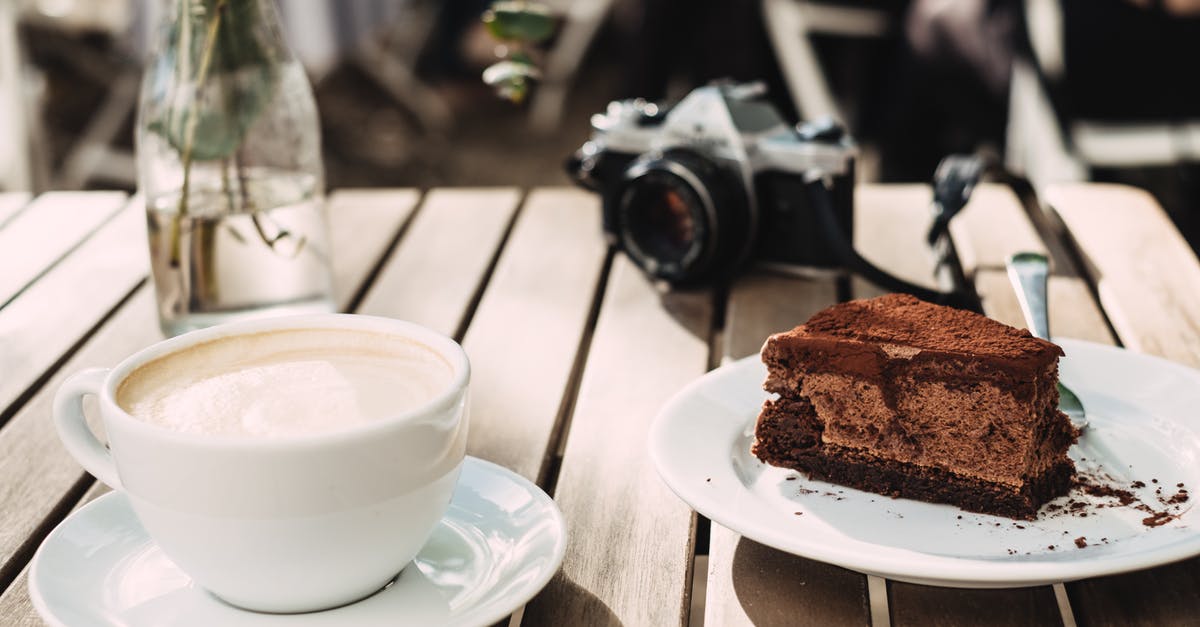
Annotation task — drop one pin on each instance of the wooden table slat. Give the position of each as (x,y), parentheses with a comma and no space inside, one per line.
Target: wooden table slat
(1144,271)
(1073,310)
(436,272)
(913,604)
(749,583)
(363,223)
(50,316)
(629,555)
(890,224)
(50,227)
(992,226)
(35,470)
(1147,278)
(528,327)
(11,203)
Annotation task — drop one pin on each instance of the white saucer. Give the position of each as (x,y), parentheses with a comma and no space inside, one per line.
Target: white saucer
(1143,426)
(498,544)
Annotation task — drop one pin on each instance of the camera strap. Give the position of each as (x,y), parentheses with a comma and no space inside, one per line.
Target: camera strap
(954,181)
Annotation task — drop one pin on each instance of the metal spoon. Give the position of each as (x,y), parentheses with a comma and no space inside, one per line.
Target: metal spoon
(1028,272)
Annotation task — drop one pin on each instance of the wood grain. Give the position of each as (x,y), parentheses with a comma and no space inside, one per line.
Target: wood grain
(912,604)
(1147,278)
(992,226)
(442,260)
(630,545)
(1073,311)
(11,203)
(50,316)
(1145,273)
(527,330)
(50,227)
(363,223)
(35,470)
(890,224)
(749,583)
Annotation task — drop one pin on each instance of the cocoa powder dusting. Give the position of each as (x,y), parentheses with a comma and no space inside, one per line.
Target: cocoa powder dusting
(1158,519)
(1103,487)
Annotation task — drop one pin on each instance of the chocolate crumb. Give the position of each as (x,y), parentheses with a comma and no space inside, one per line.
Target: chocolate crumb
(1179,497)
(1051,547)
(708,480)
(1138,484)
(1081,541)
(960,517)
(799,513)
(792,478)
(1154,481)
(1179,485)
(1158,519)
(1020,526)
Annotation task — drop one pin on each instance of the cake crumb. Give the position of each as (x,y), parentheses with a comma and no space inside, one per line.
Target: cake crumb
(799,513)
(1081,541)
(1154,481)
(791,478)
(1020,526)
(1138,484)
(1158,519)
(708,480)
(1051,547)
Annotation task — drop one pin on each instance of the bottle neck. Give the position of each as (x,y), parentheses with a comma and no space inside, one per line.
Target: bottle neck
(222,36)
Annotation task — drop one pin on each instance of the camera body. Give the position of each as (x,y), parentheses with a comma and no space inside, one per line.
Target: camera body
(694,191)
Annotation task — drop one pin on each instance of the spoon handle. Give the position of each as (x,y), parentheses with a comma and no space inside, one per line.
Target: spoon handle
(1028,272)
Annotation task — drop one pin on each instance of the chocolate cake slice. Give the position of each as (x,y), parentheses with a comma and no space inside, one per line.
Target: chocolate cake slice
(909,399)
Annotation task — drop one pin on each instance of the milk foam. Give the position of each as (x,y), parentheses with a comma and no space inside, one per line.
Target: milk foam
(285,383)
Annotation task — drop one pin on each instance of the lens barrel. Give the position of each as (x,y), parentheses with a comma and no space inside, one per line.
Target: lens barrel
(680,216)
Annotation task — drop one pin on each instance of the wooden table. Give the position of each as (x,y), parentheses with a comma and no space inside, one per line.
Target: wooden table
(574,352)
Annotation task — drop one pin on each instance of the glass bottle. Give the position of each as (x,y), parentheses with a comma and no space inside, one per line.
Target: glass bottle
(229,163)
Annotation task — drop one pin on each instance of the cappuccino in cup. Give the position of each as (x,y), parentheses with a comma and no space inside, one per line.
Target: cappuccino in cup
(287,464)
(285,383)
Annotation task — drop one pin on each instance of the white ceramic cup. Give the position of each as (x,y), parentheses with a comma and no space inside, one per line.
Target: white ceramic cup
(284,525)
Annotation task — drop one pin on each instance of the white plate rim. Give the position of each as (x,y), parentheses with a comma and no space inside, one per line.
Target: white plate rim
(882,560)
(475,616)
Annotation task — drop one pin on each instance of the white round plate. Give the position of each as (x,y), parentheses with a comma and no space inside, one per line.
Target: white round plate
(498,544)
(1143,426)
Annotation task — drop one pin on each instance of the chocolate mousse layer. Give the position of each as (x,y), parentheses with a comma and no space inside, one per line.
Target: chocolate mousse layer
(909,399)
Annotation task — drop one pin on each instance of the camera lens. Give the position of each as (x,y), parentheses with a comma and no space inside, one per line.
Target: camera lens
(681,217)
(666,219)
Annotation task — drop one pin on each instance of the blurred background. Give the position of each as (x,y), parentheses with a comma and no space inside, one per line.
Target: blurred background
(1060,89)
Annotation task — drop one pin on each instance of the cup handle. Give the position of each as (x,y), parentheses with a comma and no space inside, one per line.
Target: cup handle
(73,429)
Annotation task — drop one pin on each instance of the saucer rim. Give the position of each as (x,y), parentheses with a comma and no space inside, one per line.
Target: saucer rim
(514,603)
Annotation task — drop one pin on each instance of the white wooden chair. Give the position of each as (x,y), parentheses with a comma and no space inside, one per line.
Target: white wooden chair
(790,23)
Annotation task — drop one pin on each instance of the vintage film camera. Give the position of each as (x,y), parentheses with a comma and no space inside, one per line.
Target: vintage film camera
(695,191)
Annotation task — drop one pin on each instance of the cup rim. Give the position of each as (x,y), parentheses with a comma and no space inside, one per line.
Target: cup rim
(445,347)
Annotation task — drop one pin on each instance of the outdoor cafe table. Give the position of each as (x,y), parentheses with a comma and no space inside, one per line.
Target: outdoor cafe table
(574,352)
